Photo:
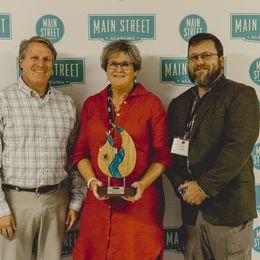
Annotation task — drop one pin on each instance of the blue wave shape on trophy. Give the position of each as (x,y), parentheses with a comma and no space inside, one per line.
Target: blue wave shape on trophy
(119,129)
(119,157)
(113,167)
(110,139)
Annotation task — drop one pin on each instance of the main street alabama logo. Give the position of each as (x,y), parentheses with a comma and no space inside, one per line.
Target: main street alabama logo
(171,241)
(66,72)
(5,26)
(254,71)
(129,27)
(256,156)
(191,25)
(174,70)
(256,239)
(246,26)
(171,237)
(51,27)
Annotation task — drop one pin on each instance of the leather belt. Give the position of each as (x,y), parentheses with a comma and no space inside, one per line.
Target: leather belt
(41,189)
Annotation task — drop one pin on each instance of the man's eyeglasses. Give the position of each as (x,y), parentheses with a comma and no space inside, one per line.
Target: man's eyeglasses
(123,65)
(205,56)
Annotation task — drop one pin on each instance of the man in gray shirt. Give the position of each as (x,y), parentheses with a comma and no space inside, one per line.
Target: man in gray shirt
(37,130)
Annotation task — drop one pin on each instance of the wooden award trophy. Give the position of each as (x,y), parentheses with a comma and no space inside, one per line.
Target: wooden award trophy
(117,164)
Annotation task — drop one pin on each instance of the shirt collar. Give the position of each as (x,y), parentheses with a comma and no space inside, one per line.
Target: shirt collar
(30,92)
(138,91)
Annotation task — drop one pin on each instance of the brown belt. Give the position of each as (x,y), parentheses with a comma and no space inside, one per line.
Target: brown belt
(41,189)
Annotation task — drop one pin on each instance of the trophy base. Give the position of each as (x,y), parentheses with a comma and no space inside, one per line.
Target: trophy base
(116,191)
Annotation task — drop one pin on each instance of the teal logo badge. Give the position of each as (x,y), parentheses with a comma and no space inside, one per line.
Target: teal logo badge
(256,239)
(191,25)
(66,72)
(257,191)
(5,26)
(51,27)
(174,70)
(172,241)
(256,156)
(246,26)
(128,27)
(69,241)
(254,71)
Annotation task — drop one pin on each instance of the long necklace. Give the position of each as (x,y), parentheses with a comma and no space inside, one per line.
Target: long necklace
(110,106)
(111,117)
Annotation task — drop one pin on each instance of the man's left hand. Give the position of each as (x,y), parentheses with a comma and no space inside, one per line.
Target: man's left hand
(71,219)
(193,193)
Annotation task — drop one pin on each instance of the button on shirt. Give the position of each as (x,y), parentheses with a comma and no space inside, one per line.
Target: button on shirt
(35,135)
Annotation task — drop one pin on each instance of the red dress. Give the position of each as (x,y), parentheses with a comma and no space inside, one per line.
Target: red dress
(116,229)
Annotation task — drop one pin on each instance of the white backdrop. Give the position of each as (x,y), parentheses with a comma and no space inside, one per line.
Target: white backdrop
(160,29)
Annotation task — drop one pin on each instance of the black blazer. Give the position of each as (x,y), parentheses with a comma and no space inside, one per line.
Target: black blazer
(223,135)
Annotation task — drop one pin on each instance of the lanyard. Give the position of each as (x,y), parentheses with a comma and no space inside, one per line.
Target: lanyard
(192,115)
(195,107)
(190,121)
(111,115)
(110,111)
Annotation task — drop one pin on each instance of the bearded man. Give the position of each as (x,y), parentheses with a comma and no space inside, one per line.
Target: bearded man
(213,127)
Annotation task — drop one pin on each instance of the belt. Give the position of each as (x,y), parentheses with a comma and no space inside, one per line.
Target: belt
(41,189)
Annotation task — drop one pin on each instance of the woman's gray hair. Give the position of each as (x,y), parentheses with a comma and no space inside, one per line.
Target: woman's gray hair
(125,46)
(25,43)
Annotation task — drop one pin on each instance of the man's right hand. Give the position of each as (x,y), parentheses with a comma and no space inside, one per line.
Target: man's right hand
(7,226)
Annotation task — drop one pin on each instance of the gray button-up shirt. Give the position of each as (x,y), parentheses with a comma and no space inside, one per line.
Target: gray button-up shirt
(36,134)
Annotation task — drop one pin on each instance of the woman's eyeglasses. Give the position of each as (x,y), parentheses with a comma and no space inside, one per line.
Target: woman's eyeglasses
(123,65)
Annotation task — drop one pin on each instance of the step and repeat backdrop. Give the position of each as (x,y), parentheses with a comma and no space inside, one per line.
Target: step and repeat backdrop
(79,30)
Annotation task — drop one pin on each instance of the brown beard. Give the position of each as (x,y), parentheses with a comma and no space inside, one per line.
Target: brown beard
(208,78)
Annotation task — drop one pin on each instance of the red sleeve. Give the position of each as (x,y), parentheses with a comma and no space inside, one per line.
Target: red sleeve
(80,150)
(160,140)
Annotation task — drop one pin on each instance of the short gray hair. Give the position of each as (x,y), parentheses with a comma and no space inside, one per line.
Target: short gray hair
(128,47)
(25,43)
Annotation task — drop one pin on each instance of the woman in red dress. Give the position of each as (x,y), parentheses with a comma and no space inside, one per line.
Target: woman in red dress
(122,139)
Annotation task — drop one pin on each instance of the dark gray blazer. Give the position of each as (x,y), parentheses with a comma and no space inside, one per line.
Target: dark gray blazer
(224,133)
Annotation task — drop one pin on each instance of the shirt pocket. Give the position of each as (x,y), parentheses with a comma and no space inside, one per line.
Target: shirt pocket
(64,125)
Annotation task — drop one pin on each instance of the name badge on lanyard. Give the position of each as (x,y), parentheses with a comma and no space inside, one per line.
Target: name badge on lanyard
(180,146)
